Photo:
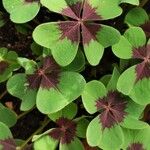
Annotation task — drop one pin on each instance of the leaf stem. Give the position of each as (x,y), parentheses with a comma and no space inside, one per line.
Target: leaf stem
(3,94)
(143,3)
(44,124)
(24,113)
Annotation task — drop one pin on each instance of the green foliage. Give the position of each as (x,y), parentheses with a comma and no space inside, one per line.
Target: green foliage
(8,62)
(64,49)
(95,91)
(47,100)
(45,140)
(21,11)
(64,43)
(138,85)
(7,116)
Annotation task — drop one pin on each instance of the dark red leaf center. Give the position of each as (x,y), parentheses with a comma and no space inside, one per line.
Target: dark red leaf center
(3,66)
(112,109)
(65,132)
(47,76)
(135,146)
(142,69)
(82,15)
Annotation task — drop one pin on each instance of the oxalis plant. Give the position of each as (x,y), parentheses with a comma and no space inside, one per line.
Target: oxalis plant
(64,37)
(115,112)
(67,132)
(139,17)
(137,46)
(74,75)
(46,81)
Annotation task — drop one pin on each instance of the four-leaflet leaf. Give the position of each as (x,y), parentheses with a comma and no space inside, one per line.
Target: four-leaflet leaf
(134,45)
(47,86)
(64,37)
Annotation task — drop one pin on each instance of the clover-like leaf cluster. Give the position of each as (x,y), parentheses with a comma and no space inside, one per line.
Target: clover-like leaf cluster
(86,106)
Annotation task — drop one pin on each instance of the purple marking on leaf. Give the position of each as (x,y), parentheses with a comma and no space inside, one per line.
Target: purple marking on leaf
(136,146)
(89,31)
(146,28)
(46,77)
(83,14)
(8,144)
(71,30)
(142,69)
(65,132)
(3,66)
(90,13)
(73,11)
(113,109)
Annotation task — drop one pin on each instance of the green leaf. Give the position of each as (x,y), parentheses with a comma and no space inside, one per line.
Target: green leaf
(92,92)
(78,63)
(74,145)
(126,87)
(136,17)
(106,9)
(94,52)
(82,127)
(10,59)
(36,49)
(137,136)
(7,116)
(123,49)
(56,6)
(21,11)
(140,93)
(133,123)
(112,138)
(28,100)
(135,36)
(16,87)
(108,36)
(49,36)
(94,139)
(69,112)
(46,143)
(3,53)
(27,64)
(123,64)
(70,88)
(46,34)
(6,75)
(137,111)
(105,79)
(5,132)
(112,84)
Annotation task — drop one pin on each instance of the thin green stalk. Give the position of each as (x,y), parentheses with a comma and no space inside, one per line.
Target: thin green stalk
(24,113)
(39,130)
(3,94)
